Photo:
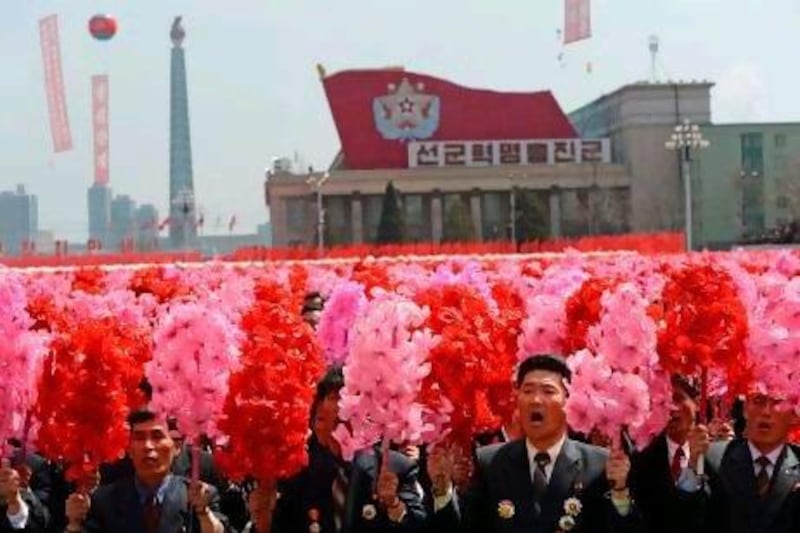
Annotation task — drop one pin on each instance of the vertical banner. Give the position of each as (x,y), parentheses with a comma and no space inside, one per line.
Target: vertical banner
(100,128)
(577,20)
(54,84)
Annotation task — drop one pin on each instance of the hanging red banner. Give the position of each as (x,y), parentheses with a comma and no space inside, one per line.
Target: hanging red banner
(100,128)
(577,20)
(54,84)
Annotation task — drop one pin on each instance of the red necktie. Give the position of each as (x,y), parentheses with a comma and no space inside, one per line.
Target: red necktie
(152,515)
(676,466)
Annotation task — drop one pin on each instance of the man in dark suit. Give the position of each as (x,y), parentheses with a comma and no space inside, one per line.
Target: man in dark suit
(751,484)
(20,509)
(544,482)
(152,499)
(656,470)
(376,492)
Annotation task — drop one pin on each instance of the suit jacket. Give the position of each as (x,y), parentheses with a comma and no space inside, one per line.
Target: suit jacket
(732,505)
(117,508)
(503,481)
(37,516)
(232,502)
(308,496)
(657,498)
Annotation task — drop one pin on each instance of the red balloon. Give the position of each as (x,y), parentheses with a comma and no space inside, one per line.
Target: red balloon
(102,27)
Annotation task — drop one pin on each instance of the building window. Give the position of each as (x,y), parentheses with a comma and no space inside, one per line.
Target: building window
(495,215)
(782,202)
(296,214)
(416,211)
(780,140)
(372,207)
(338,229)
(752,192)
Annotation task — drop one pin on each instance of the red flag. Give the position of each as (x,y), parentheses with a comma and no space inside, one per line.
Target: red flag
(377,112)
(577,20)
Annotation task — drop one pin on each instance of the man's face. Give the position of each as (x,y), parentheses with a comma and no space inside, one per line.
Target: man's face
(767,424)
(312,318)
(541,398)
(327,416)
(152,450)
(682,415)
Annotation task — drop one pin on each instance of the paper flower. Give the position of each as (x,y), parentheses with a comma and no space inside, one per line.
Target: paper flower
(383,376)
(196,348)
(22,355)
(269,398)
(345,305)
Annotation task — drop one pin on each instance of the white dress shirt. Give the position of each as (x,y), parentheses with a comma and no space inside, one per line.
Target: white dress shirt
(19,520)
(672,447)
(553,452)
(773,457)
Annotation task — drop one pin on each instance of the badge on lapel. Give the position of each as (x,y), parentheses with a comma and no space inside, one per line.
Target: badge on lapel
(368,512)
(505,509)
(572,508)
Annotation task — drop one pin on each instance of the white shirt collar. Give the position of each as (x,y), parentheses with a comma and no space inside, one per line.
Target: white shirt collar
(553,452)
(772,456)
(673,446)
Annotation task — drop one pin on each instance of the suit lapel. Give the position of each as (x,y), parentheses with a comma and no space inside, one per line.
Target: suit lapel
(562,480)
(517,475)
(359,490)
(662,464)
(741,481)
(128,508)
(174,508)
(787,473)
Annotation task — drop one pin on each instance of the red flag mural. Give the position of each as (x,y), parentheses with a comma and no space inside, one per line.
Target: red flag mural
(100,128)
(577,20)
(54,84)
(377,112)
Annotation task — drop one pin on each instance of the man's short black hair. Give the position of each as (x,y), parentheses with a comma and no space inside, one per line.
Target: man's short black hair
(140,416)
(313,301)
(332,382)
(686,385)
(548,362)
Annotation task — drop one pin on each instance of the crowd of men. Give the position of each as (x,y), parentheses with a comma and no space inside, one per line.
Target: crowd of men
(534,475)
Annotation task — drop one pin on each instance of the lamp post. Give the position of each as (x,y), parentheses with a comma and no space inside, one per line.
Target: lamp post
(685,138)
(513,211)
(316,183)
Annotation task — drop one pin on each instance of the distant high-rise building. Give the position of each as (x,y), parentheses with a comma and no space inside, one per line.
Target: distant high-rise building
(100,214)
(19,221)
(146,228)
(182,225)
(123,221)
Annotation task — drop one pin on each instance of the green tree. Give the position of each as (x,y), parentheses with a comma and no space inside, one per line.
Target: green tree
(391,228)
(532,216)
(458,223)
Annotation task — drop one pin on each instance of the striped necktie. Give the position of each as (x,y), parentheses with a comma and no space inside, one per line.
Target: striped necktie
(763,478)
(339,490)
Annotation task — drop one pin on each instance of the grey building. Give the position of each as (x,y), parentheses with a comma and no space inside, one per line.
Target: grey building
(19,221)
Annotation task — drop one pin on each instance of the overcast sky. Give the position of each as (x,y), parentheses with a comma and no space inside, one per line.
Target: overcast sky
(254,91)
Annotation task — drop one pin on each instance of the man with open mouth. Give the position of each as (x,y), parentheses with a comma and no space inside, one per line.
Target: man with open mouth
(750,484)
(545,481)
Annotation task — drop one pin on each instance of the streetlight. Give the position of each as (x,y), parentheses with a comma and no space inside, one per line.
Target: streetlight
(316,184)
(685,138)
(513,211)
